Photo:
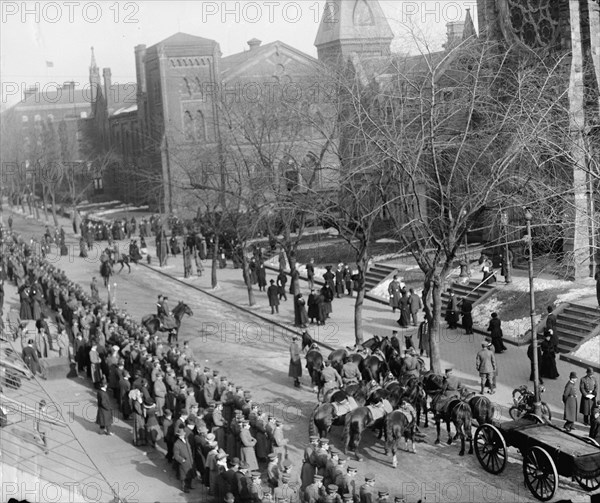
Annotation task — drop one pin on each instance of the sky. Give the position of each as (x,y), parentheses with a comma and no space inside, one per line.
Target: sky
(34,34)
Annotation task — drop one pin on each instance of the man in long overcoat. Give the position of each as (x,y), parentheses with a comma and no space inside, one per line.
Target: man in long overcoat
(451,310)
(295,367)
(273,296)
(183,455)
(569,399)
(104,415)
(248,442)
(394,290)
(588,388)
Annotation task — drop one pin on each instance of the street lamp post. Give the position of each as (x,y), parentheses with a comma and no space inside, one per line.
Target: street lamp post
(507,264)
(537,406)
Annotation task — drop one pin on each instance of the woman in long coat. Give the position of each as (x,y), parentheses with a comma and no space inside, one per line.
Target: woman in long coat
(295,368)
(139,423)
(424,347)
(104,415)
(248,442)
(569,399)
(548,363)
(495,329)
(25,311)
(327,293)
(467,316)
(404,305)
(261,276)
(301,316)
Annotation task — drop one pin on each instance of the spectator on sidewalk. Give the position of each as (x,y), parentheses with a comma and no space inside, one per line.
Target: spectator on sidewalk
(273,296)
(569,399)
(548,363)
(550,319)
(415,306)
(30,357)
(104,415)
(588,387)
(295,367)
(495,329)
(310,273)
(281,282)
(452,310)
(485,363)
(466,310)
(595,424)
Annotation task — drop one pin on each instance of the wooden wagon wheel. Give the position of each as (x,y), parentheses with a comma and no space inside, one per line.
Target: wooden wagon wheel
(490,448)
(588,484)
(540,473)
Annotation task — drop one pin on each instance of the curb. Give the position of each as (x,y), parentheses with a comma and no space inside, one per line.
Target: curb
(580,362)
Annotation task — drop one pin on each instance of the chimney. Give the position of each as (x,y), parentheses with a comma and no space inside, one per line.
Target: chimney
(106,76)
(140,68)
(454,33)
(254,43)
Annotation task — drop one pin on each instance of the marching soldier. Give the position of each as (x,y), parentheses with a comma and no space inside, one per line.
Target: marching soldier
(367,490)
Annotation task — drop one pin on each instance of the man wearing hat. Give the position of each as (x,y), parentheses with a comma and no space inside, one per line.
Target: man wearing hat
(273,471)
(273,296)
(569,399)
(230,475)
(367,490)
(278,442)
(331,465)
(182,454)
(218,424)
(331,379)
(350,372)
(410,363)
(242,483)
(451,386)
(485,363)
(295,366)
(104,415)
(315,492)
(347,481)
(256,490)
(285,492)
(384,495)
(332,494)
(248,442)
(588,387)
(321,456)
(595,424)
(208,393)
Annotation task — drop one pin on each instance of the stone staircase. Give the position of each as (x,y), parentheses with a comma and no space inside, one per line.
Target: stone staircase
(376,274)
(472,291)
(574,324)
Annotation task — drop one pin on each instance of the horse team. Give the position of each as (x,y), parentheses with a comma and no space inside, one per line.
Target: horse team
(390,400)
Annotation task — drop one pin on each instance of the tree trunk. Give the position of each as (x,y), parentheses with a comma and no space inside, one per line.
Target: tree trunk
(436,327)
(247,279)
(215,260)
(54,216)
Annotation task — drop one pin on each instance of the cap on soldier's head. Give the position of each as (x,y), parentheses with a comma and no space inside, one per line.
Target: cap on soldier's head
(324,441)
(285,477)
(399,499)
(342,459)
(347,497)
(272,456)
(383,492)
(352,468)
(332,488)
(287,464)
(369,477)
(313,438)
(255,474)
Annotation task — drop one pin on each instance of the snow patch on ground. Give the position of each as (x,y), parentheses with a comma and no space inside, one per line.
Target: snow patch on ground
(575,294)
(589,350)
(483,312)
(514,329)
(522,284)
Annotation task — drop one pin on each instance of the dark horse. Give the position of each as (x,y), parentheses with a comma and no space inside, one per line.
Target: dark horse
(324,416)
(357,422)
(314,365)
(152,322)
(106,271)
(482,409)
(399,424)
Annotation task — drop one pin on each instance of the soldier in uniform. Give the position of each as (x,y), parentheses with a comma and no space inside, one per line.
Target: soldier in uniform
(452,386)
(347,482)
(410,363)
(330,466)
(307,471)
(321,455)
(332,494)
(367,490)
(589,391)
(256,490)
(273,471)
(315,492)
(278,442)
(285,491)
(350,372)
(331,378)
(384,496)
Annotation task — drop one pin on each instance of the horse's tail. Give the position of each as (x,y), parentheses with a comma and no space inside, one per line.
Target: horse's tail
(463,417)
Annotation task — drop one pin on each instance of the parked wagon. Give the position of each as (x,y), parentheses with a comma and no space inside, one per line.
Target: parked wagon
(547,450)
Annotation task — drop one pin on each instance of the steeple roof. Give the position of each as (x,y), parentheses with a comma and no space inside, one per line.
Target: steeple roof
(469,29)
(353,20)
(93,61)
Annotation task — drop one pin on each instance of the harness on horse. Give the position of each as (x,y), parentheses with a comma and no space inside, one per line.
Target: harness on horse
(343,407)
(380,409)
(408,411)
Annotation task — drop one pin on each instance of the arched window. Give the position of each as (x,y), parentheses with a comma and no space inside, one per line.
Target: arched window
(187,86)
(188,125)
(200,126)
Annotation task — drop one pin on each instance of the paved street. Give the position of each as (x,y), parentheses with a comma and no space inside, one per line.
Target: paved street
(253,352)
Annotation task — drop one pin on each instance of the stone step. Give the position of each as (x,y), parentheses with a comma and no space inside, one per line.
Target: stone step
(570,325)
(579,317)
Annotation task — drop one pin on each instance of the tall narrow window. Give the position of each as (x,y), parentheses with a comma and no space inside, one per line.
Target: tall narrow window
(200,126)
(188,125)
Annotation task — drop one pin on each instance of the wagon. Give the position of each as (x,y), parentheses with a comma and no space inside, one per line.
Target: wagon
(547,453)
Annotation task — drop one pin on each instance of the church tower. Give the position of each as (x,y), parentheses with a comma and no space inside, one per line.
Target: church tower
(353,26)
(94,76)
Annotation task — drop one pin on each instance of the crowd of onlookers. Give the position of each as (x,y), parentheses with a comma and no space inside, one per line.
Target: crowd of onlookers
(211,429)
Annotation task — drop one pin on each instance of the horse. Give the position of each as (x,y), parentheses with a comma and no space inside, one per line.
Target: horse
(357,421)
(415,395)
(152,322)
(307,340)
(399,424)
(124,260)
(323,416)
(337,358)
(458,412)
(314,365)
(373,368)
(106,271)
(482,409)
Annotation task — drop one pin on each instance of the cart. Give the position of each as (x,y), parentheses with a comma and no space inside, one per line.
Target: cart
(547,453)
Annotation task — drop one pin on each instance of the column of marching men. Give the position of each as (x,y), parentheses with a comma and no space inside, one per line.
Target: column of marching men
(212,430)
